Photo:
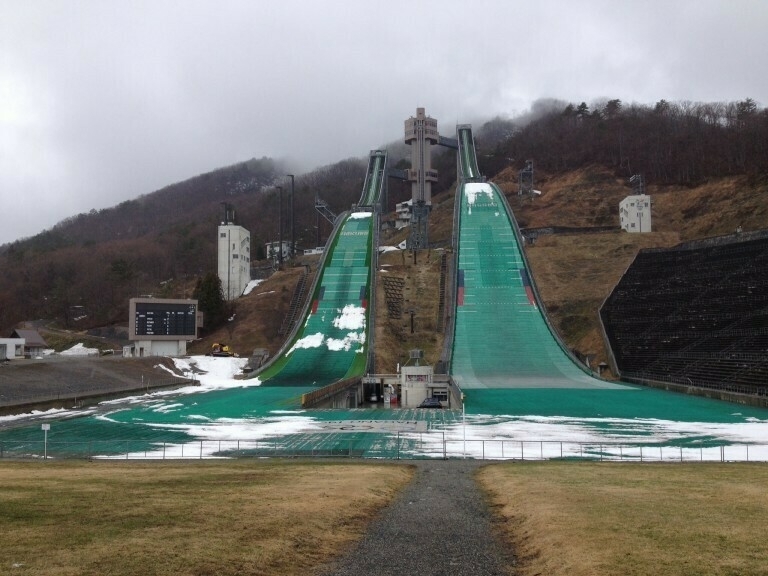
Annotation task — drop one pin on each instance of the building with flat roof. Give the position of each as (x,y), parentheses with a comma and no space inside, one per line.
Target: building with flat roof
(234,256)
(635,213)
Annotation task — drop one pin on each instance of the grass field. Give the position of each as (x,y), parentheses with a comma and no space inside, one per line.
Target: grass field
(596,519)
(278,518)
(210,518)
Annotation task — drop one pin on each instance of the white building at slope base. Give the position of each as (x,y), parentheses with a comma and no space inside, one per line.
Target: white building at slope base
(234,258)
(635,213)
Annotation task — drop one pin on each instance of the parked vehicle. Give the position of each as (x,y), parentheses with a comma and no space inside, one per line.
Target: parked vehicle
(431,403)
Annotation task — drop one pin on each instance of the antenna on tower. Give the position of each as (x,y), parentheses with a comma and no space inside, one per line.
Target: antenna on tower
(229,214)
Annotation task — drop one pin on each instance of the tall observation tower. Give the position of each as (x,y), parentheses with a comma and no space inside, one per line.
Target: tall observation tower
(421,133)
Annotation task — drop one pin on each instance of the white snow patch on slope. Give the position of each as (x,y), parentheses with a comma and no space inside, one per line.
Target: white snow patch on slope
(351,318)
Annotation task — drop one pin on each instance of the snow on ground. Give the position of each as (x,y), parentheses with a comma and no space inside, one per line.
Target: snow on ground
(533,437)
(359,215)
(53,413)
(311,341)
(210,373)
(351,317)
(475,189)
(251,285)
(80,350)
(336,344)
(477,436)
(218,372)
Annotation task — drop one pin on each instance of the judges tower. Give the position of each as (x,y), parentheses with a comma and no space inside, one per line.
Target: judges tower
(421,133)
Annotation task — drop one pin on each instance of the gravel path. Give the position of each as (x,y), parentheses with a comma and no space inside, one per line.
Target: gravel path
(439,525)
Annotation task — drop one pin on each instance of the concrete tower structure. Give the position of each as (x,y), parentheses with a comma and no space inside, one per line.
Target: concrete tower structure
(421,133)
(234,255)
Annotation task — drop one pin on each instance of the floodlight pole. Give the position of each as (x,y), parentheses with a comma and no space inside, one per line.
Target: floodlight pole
(293,235)
(280,226)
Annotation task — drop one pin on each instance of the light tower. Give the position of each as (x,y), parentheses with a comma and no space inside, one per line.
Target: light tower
(421,133)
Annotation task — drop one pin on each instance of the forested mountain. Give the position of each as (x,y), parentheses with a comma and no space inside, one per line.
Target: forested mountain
(682,143)
(81,272)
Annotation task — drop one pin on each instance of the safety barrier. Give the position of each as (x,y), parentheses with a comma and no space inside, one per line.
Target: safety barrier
(400,446)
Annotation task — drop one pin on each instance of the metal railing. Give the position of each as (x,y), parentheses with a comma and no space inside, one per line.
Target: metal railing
(400,446)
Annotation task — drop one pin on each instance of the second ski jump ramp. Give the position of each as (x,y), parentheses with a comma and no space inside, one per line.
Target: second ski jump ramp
(332,342)
(501,338)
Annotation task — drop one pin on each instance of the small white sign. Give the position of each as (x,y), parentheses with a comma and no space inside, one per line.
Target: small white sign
(46,427)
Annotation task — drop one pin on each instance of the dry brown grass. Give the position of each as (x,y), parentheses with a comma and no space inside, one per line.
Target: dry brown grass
(421,293)
(218,518)
(259,315)
(632,520)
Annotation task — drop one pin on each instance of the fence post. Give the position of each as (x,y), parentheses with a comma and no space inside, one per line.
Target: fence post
(445,455)
(398,444)
(641,453)
(561,450)
(681,453)
(163,450)
(601,452)
(201,449)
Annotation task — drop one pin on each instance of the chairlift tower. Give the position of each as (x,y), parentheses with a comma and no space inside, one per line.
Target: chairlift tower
(421,133)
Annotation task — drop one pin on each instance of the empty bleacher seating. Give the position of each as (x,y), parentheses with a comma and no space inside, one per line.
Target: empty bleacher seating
(695,314)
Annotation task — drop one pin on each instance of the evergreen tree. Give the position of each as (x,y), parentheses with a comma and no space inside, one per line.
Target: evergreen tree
(210,300)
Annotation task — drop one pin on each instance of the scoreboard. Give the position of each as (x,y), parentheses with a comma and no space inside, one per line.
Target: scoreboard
(153,318)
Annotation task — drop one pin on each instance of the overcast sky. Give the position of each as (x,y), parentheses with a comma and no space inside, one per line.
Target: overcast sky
(104,100)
